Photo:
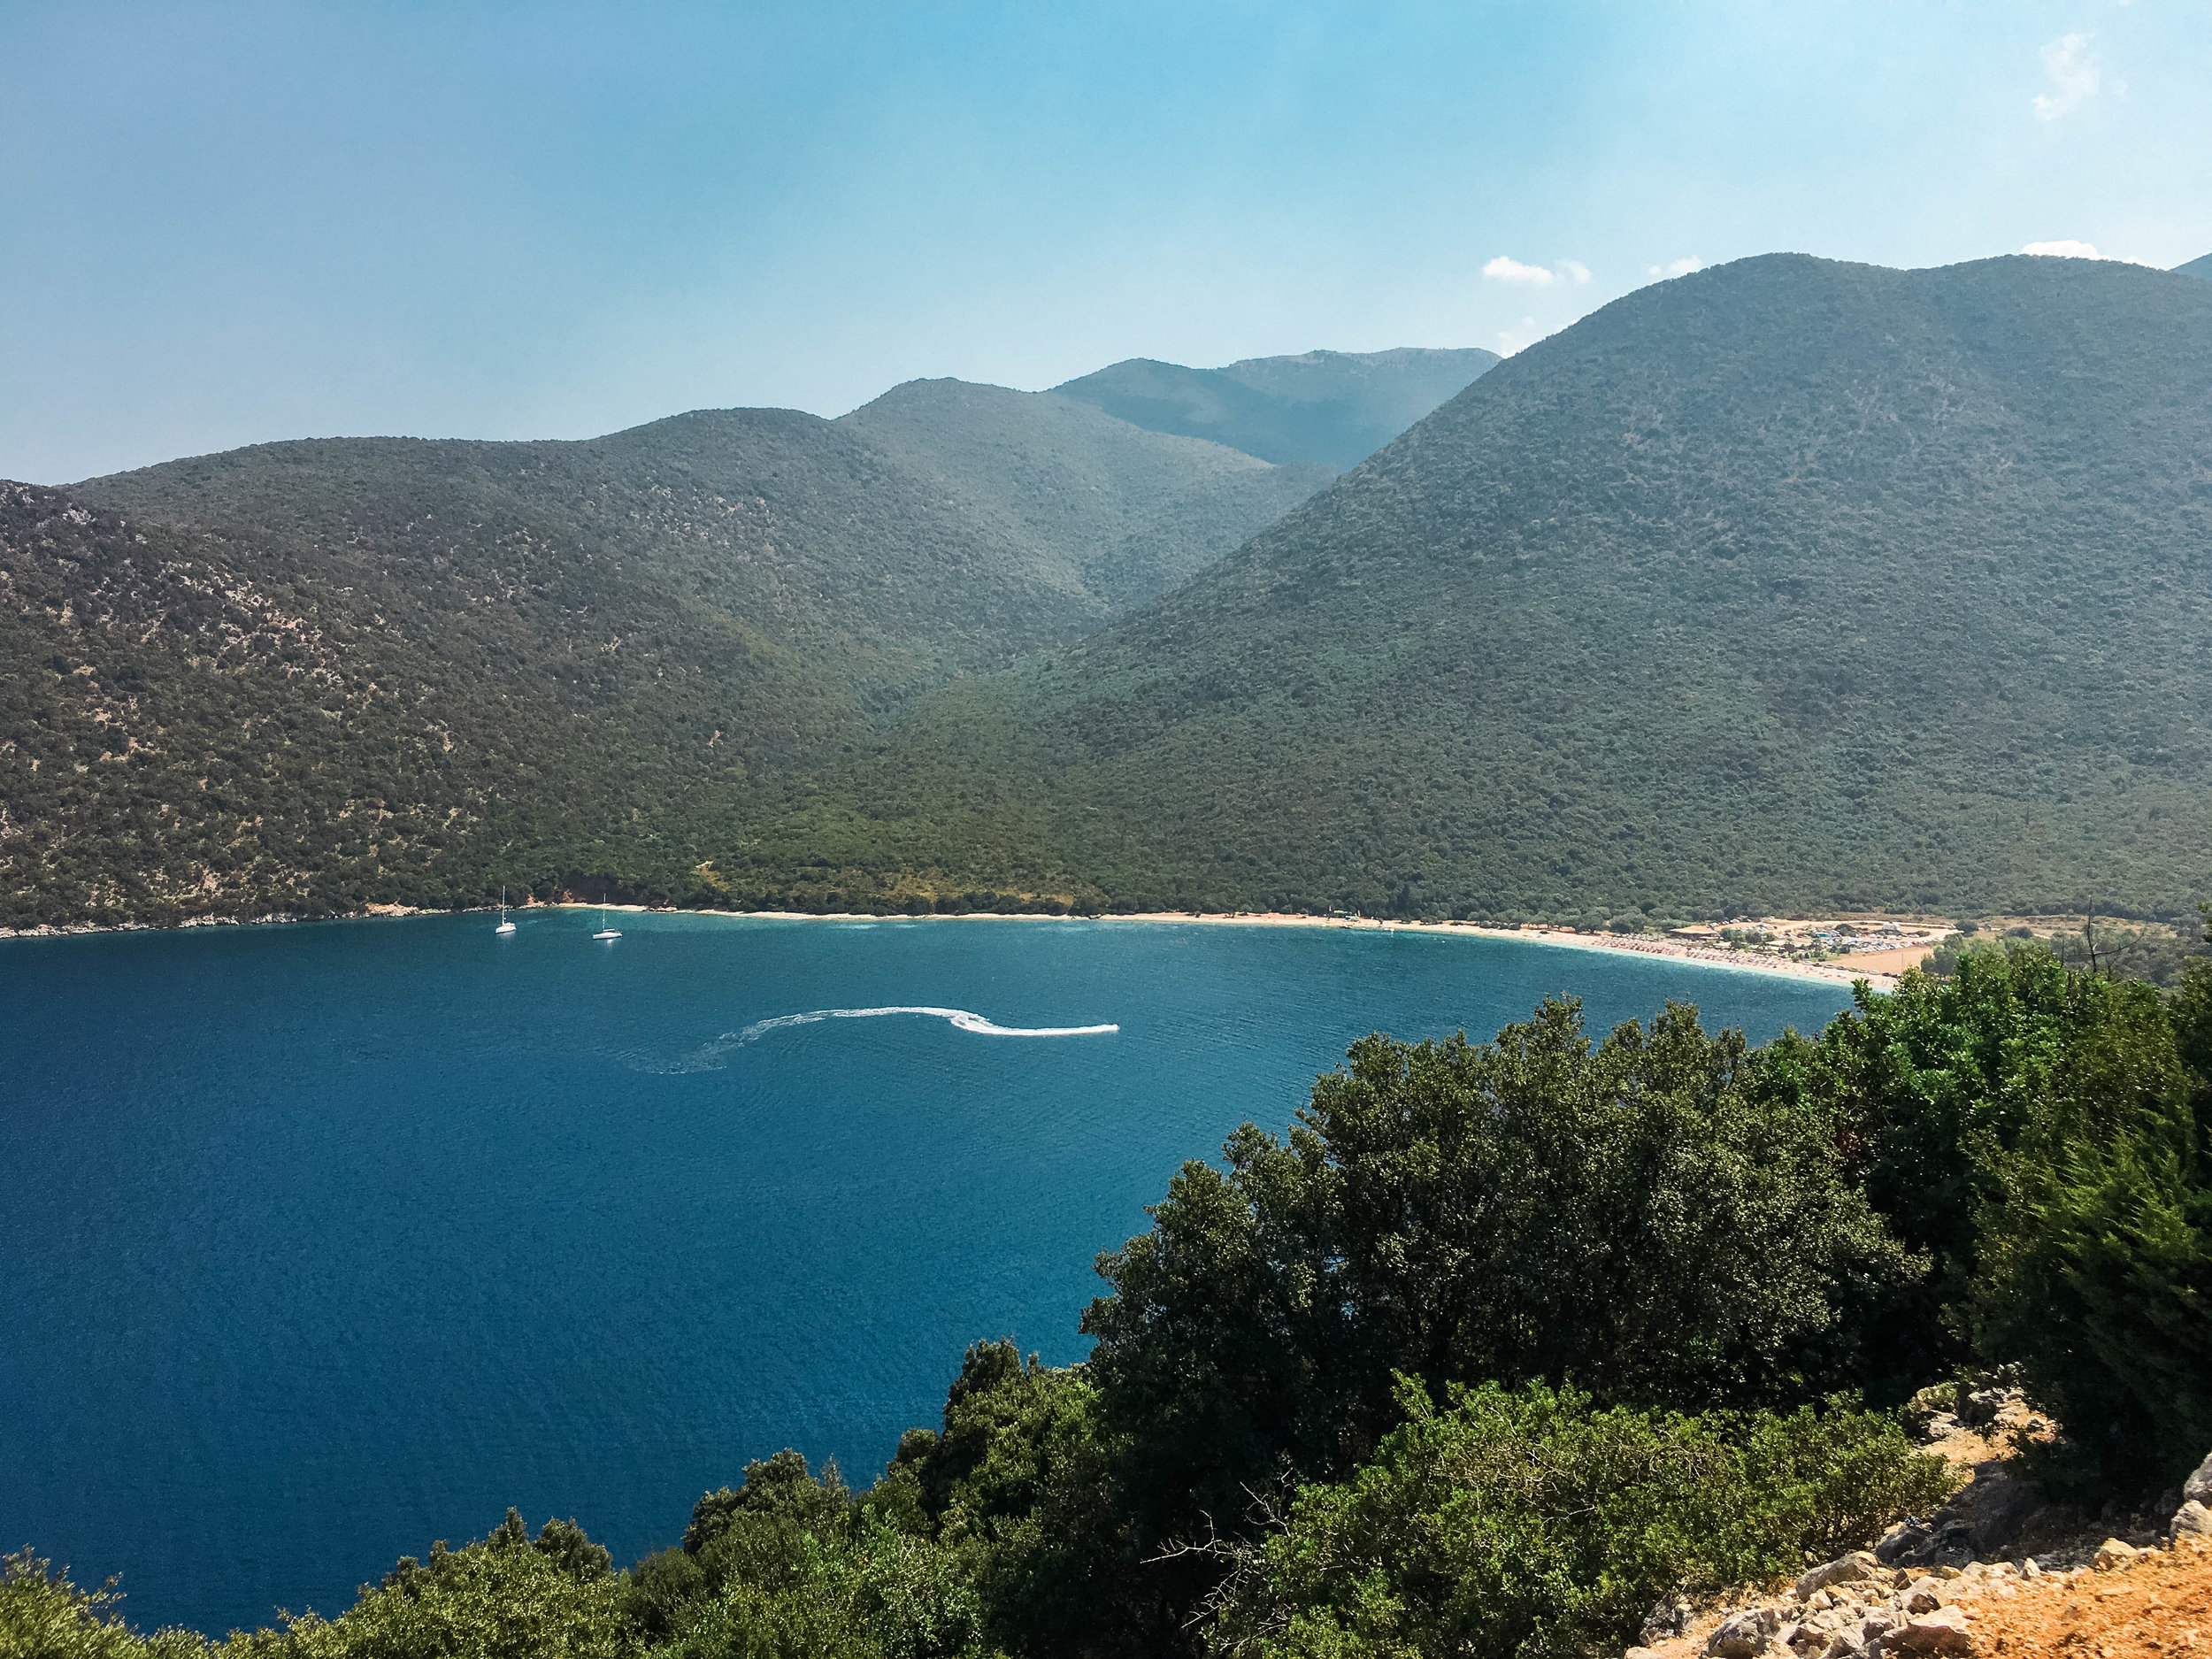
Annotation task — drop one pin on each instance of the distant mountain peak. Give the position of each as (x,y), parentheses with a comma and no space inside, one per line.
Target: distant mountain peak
(2197,267)
(1337,407)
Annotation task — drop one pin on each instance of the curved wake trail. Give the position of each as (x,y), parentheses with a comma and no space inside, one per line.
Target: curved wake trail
(711,1056)
(959,1018)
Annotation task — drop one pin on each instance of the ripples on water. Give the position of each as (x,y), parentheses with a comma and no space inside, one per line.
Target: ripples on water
(324,1241)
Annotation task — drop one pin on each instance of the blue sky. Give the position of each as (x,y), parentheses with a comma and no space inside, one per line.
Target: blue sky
(224,224)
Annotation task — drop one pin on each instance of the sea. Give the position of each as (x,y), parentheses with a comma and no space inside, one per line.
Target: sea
(319,1242)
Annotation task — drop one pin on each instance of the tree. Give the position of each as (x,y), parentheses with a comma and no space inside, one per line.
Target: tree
(1635,1217)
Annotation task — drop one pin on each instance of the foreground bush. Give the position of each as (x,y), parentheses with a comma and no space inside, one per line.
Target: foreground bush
(1636,1216)
(2095,1268)
(43,1616)
(2042,1132)
(507,1597)
(1526,1523)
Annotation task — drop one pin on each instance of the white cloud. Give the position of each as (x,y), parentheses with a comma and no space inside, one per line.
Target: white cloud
(1504,270)
(1575,271)
(2082,250)
(1675,268)
(2075,75)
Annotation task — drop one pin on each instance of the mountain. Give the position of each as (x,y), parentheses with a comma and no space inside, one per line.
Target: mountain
(901,558)
(1788,583)
(1130,512)
(305,676)
(2199,267)
(1337,407)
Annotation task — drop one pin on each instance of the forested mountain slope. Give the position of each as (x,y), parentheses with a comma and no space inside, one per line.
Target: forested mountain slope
(412,669)
(191,723)
(897,560)
(1132,512)
(1787,583)
(1337,407)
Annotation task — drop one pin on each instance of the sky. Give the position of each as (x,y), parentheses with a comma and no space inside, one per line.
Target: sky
(224,224)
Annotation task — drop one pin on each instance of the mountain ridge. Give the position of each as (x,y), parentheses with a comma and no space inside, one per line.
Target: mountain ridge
(1336,407)
(612,650)
(1791,582)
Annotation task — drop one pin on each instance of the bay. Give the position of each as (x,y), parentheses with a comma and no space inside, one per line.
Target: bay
(319,1242)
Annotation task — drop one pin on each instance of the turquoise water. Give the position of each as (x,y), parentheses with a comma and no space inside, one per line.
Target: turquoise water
(320,1242)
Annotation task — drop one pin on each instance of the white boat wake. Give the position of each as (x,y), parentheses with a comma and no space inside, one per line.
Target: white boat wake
(711,1056)
(959,1018)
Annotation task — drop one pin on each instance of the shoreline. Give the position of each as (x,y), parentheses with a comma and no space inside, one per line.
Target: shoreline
(1698,956)
(1695,955)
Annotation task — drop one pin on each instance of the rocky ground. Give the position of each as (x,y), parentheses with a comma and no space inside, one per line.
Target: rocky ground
(1996,1571)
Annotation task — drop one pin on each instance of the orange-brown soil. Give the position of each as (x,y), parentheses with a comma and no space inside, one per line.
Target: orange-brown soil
(2158,1606)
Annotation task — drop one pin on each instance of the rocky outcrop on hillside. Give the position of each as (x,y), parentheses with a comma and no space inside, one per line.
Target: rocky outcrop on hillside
(1997,1571)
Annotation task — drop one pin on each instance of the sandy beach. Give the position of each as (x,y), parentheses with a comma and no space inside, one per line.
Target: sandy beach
(1880,969)
(1882,972)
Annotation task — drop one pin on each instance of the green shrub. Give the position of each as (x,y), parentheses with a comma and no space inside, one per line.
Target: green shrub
(1632,1216)
(2097,1272)
(1533,1523)
(498,1598)
(1022,1485)
(2040,1129)
(43,1616)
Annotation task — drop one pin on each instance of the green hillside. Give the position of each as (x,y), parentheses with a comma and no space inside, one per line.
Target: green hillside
(411,671)
(1788,583)
(898,560)
(1337,407)
(1132,512)
(193,724)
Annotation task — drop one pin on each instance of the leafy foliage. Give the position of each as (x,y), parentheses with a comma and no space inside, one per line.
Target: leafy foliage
(2096,1270)
(1632,1216)
(507,1597)
(43,1616)
(2040,1130)
(1520,1522)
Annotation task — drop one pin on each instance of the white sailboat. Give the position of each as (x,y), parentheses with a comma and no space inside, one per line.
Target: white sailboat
(505,926)
(606,932)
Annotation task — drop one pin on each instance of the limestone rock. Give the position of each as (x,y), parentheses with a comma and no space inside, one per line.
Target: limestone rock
(1942,1630)
(2198,1487)
(2113,1552)
(1740,1635)
(1979,1408)
(2193,1519)
(1666,1619)
(1851,1569)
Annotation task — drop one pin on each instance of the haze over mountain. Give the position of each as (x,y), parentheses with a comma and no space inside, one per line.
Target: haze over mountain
(1787,583)
(1338,407)
(1132,512)
(2200,266)
(381,661)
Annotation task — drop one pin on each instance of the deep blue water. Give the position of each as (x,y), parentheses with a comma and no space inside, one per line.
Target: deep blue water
(319,1242)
